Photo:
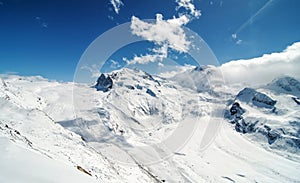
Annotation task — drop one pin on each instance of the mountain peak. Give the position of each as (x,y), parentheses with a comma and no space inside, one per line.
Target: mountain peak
(285,84)
(104,83)
(249,95)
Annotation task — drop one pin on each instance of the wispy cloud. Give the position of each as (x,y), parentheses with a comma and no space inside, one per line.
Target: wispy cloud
(110,17)
(239,41)
(116,5)
(253,17)
(93,69)
(114,64)
(42,22)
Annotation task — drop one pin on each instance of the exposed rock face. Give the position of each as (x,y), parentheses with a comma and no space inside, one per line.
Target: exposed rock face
(104,83)
(2,83)
(296,100)
(234,114)
(236,110)
(150,92)
(258,99)
(199,68)
(241,113)
(248,125)
(83,170)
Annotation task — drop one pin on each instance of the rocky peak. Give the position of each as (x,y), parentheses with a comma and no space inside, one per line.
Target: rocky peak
(104,83)
(249,95)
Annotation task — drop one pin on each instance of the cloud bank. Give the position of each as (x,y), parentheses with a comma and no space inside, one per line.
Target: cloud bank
(264,69)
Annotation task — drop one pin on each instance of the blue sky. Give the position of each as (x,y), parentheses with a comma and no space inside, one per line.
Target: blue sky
(48,37)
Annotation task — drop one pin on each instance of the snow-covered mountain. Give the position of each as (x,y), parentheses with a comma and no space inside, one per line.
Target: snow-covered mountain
(134,127)
(268,115)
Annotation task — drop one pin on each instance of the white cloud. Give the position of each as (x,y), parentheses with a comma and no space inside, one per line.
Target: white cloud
(189,6)
(93,69)
(143,59)
(160,64)
(42,22)
(239,41)
(158,55)
(221,3)
(114,64)
(110,17)
(117,5)
(234,36)
(264,69)
(163,32)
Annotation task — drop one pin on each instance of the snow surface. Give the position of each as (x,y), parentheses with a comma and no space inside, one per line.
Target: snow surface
(144,129)
(19,164)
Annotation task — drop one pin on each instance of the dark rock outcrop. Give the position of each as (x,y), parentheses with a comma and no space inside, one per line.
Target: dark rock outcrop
(246,125)
(296,100)
(104,83)
(234,114)
(150,92)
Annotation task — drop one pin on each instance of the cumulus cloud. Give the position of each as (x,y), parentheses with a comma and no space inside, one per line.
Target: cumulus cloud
(116,5)
(143,59)
(163,32)
(189,6)
(264,69)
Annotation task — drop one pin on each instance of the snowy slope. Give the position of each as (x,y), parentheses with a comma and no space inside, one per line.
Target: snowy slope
(27,122)
(150,129)
(19,164)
